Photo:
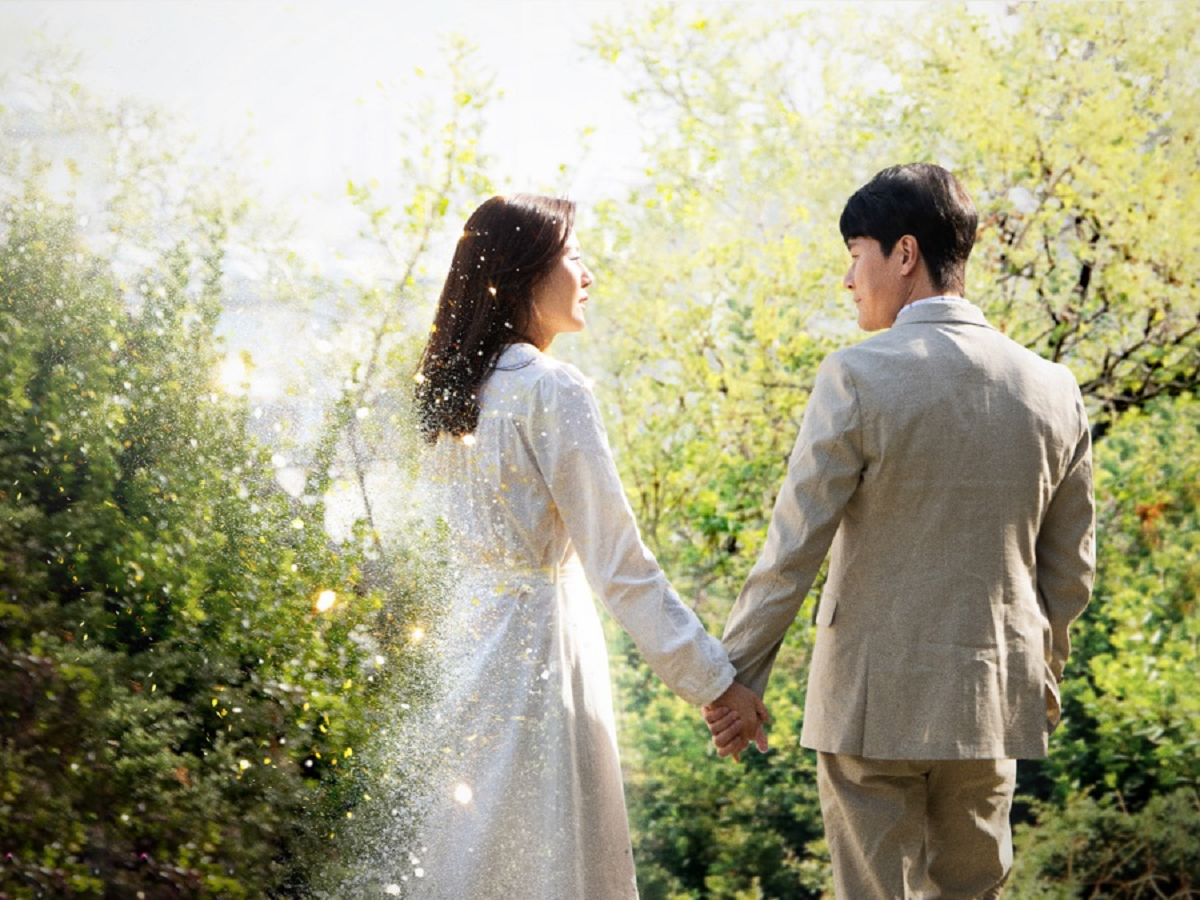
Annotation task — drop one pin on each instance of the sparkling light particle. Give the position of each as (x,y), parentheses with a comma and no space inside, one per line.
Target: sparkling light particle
(469,440)
(418,634)
(463,793)
(325,601)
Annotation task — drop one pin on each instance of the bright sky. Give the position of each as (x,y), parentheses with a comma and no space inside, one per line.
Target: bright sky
(321,85)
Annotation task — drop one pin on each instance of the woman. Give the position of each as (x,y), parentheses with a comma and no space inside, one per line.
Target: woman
(529,802)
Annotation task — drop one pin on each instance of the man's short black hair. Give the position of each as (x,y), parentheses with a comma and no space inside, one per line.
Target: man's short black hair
(923,200)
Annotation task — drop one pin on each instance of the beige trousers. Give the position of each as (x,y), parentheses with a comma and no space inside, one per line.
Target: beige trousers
(901,829)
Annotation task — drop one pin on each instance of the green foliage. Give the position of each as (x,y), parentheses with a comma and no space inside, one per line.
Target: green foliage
(703,827)
(176,716)
(1132,716)
(1087,250)
(1074,127)
(1116,808)
(1093,848)
(440,177)
(179,716)
(168,685)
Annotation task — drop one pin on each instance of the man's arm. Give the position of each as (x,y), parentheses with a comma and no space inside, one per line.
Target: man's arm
(1066,556)
(823,472)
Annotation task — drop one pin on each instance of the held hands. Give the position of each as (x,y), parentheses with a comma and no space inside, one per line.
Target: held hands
(736,721)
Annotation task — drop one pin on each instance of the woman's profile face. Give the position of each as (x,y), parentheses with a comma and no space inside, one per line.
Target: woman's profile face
(560,296)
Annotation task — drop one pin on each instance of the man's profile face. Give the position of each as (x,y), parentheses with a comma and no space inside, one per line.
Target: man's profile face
(876,283)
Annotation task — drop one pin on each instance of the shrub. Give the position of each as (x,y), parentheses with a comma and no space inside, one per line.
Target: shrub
(176,718)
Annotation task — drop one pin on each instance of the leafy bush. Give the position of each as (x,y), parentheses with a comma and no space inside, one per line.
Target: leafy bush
(1131,718)
(1099,848)
(176,717)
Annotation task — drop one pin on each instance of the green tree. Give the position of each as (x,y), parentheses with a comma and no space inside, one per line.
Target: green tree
(1121,786)
(1087,251)
(440,177)
(365,452)
(166,724)
(182,711)
(1074,126)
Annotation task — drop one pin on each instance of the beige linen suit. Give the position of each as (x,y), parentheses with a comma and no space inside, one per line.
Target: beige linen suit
(950,468)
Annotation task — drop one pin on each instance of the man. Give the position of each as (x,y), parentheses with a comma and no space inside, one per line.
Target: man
(950,469)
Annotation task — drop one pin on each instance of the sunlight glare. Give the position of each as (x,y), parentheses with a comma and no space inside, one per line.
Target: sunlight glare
(233,376)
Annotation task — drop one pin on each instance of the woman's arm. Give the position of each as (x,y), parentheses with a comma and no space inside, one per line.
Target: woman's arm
(572,452)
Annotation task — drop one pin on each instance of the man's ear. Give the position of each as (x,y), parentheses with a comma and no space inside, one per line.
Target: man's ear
(910,253)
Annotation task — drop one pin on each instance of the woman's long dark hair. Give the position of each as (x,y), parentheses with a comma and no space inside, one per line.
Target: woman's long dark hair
(507,246)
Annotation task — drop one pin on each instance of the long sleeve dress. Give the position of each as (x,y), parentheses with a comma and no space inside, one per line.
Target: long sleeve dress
(528,798)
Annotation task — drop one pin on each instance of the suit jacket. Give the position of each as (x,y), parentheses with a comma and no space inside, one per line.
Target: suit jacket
(950,469)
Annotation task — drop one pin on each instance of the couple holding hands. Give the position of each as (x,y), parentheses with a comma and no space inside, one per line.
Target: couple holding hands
(945,468)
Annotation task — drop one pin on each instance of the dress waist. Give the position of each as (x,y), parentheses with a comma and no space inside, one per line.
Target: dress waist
(494,571)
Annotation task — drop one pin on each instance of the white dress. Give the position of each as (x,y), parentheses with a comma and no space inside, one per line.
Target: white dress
(528,800)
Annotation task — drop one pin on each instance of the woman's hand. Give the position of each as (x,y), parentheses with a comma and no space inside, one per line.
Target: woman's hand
(735,720)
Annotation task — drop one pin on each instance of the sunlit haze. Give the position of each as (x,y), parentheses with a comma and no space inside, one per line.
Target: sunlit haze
(320,89)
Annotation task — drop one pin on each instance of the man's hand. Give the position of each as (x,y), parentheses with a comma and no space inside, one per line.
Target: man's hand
(736,720)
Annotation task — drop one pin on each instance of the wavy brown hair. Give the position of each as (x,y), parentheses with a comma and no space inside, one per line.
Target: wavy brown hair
(508,244)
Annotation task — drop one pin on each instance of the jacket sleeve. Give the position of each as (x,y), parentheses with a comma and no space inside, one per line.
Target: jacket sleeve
(571,449)
(823,472)
(1065,549)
